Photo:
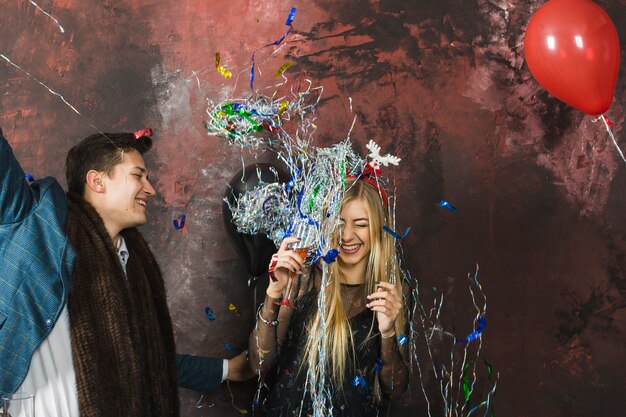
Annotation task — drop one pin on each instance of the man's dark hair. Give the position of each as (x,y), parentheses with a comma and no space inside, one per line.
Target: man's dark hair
(100,152)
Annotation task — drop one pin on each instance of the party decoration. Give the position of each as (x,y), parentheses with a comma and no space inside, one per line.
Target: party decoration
(67,103)
(203,404)
(379,365)
(209,314)
(377,159)
(308,198)
(458,367)
(288,22)
(179,222)
(143,132)
(466,384)
(397,235)
(608,125)
(330,256)
(245,123)
(481,324)
(359,382)
(282,69)
(227,74)
(234,309)
(229,347)
(232,400)
(252,244)
(447,206)
(489,369)
(606,120)
(43,85)
(572,50)
(306,202)
(49,15)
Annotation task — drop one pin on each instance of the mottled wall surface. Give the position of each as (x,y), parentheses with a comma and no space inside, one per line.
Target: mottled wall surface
(539,188)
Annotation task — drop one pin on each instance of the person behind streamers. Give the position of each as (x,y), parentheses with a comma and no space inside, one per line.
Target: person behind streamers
(364,317)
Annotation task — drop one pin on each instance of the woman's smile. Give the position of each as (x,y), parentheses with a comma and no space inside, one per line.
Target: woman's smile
(351,249)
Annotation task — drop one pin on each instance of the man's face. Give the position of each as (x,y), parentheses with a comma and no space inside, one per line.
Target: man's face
(127,191)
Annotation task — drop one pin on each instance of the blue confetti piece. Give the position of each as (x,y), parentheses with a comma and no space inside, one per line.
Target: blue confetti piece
(267,200)
(228,346)
(209,313)
(179,222)
(330,256)
(302,215)
(396,235)
(359,382)
(290,186)
(252,74)
(402,340)
(29,177)
(482,323)
(446,205)
(288,22)
(292,15)
(379,365)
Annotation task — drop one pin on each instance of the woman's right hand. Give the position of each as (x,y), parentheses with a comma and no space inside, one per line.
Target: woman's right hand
(287,261)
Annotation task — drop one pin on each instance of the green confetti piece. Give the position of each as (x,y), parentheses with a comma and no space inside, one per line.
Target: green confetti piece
(343,175)
(489,369)
(312,202)
(466,384)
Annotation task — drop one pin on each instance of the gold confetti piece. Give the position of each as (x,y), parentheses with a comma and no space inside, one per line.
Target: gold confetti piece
(221,69)
(282,108)
(282,69)
(233,308)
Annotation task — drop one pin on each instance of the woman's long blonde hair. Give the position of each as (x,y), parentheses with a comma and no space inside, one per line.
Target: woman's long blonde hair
(382,266)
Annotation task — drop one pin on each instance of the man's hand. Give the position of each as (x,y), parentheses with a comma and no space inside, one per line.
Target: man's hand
(239,369)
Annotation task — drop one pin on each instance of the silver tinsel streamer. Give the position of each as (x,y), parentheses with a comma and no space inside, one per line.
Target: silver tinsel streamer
(310,201)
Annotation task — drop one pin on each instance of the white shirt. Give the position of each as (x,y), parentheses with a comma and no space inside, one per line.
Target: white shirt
(51,375)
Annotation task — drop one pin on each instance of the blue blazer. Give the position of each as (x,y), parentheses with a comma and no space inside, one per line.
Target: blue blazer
(36,262)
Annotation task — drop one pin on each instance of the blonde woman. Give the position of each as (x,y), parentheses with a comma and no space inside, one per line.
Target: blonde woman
(364,317)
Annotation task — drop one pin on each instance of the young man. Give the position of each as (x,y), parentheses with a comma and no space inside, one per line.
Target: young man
(84,322)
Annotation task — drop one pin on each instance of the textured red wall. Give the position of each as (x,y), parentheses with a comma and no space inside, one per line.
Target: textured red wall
(443,84)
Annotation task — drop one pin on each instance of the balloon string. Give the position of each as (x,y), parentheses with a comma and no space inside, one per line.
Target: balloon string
(608,129)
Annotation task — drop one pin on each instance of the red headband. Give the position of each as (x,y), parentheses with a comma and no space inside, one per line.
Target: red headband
(143,132)
(370,175)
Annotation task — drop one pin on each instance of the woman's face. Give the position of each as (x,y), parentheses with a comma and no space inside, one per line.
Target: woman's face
(354,234)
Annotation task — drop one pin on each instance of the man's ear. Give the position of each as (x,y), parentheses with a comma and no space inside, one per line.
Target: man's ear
(94,181)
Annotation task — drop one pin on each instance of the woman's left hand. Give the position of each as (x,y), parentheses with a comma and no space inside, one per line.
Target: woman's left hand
(387,303)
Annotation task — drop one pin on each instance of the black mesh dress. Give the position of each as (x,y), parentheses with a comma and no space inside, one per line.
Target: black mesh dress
(290,397)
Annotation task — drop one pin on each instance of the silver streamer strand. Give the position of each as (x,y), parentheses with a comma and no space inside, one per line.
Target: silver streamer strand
(60,96)
(455,372)
(49,15)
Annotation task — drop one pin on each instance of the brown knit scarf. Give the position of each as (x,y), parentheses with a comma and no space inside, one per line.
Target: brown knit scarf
(121,331)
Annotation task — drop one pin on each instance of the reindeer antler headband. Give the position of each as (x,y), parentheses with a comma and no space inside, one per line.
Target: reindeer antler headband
(372,170)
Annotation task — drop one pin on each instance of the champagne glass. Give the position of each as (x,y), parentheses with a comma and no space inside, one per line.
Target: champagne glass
(306,233)
(18,405)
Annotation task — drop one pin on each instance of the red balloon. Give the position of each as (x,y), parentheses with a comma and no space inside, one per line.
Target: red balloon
(573,51)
